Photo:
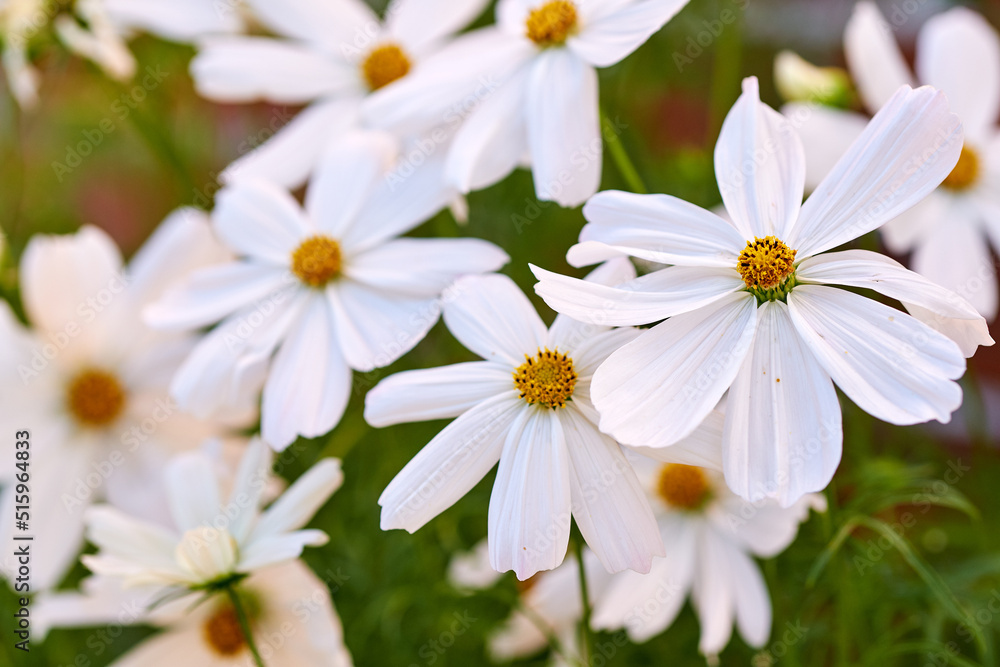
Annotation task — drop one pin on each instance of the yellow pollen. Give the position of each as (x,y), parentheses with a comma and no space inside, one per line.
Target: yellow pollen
(222,632)
(95,397)
(552,23)
(683,487)
(384,65)
(547,378)
(765,263)
(965,173)
(317,261)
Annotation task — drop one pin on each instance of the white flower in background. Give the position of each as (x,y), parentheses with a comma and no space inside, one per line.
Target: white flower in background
(527,405)
(213,539)
(291,616)
(89,381)
(949,233)
(20,21)
(540,100)
(98,29)
(710,535)
(331,56)
(753,306)
(551,603)
(322,290)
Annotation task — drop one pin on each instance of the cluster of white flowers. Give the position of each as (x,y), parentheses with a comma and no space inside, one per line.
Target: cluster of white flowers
(679,450)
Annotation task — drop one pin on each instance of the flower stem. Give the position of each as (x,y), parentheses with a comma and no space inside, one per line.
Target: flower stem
(618,153)
(587,635)
(241,616)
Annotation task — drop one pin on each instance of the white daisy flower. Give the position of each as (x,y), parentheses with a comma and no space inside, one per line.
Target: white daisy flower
(552,605)
(213,541)
(751,305)
(291,616)
(89,381)
(949,233)
(321,290)
(527,89)
(98,29)
(711,535)
(20,21)
(331,56)
(527,405)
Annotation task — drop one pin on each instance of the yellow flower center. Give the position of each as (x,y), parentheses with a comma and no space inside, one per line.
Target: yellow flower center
(552,23)
(222,632)
(965,173)
(317,261)
(684,487)
(766,263)
(95,397)
(547,378)
(384,65)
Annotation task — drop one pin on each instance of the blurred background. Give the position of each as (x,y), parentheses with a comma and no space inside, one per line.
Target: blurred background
(121,156)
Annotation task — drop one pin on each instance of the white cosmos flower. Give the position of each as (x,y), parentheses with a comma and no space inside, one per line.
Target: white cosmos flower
(290,612)
(949,233)
(89,381)
(527,89)
(213,539)
(330,55)
(528,406)
(20,21)
(321,290)
(110,23)
(754,306)
(711,535)
(552,602)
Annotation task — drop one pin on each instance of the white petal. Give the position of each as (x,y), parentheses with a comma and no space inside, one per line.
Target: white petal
(873,56)
(449,465)
(753,603)
(908,148)
(658,388)
(492,317)
(713,595)
(945,311)
(375,327)
(958,52)
(903,232)
(571,334)
(118,534)
(589,353)
(956,255)
(247,69)
(309,384)
(760,166)
(765,528)
(649,298)
(435,393)
(275,549)
(287,157)
(826,134)
(530,510)
(418,24)
(659,228)
(890,364)
(177,20)
(346,176)
(783,430)
(564,133)
(609,38)
(60,273)
(193,491)
(248,488)
(703,448)
(214,293)
(260,220)
(493,139)
(423,268)
(609,505)
(296,506)
(645,605)
(341,26)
